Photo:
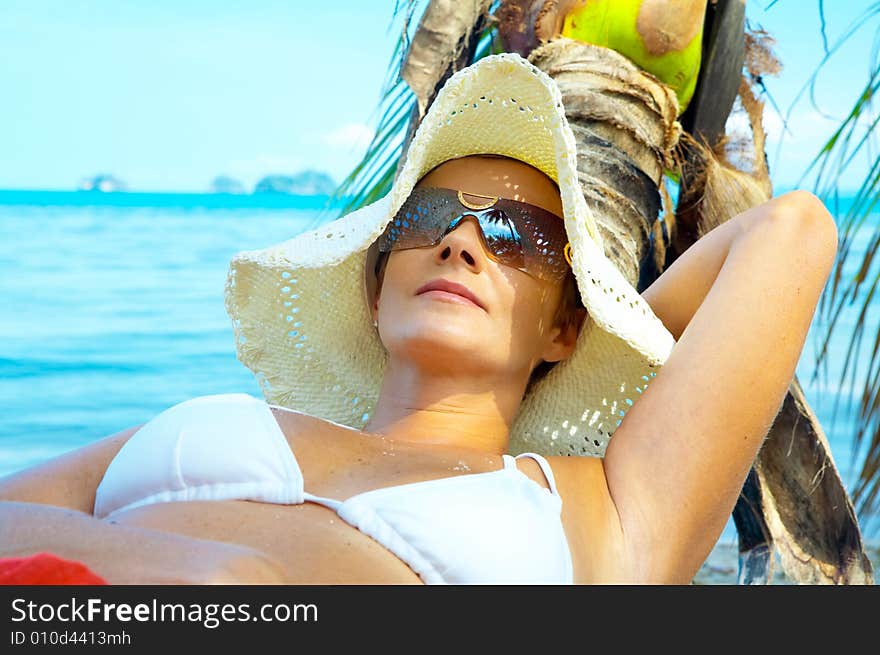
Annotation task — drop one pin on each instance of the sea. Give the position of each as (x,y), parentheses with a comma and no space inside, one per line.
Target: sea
(112,310)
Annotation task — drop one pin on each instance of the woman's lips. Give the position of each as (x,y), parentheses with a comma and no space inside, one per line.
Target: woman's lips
(451,290)
(446,296)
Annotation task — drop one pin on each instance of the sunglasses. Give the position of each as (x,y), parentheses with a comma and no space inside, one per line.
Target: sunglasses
(528,238)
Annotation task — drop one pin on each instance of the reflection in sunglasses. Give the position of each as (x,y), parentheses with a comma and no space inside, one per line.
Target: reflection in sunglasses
(515,233)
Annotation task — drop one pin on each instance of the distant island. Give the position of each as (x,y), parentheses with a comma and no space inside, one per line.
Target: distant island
(102,182)
(306,183)
(226,184)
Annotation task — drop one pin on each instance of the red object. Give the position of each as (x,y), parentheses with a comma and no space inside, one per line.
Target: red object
(46,569)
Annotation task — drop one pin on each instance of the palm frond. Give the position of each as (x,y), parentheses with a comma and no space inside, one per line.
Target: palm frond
(853,285)
(372,177)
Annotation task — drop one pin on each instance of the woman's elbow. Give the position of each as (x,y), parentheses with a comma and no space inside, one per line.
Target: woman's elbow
(814,221)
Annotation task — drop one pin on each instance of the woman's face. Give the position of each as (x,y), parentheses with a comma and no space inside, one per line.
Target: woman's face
(512,330)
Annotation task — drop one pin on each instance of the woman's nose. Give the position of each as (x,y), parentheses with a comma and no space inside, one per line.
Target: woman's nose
(464,243)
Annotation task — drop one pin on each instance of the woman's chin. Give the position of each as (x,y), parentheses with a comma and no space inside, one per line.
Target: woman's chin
(453,340)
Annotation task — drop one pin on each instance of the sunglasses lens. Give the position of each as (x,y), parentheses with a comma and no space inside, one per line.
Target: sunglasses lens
(501,236)
(543,239)
(417,224)
(522,236)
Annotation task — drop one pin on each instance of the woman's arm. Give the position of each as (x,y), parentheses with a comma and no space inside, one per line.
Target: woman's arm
(129,555)
(740,302)
(68,480)
(49,507)
(678,293)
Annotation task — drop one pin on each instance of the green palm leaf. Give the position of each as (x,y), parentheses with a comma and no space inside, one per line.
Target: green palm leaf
(854,282)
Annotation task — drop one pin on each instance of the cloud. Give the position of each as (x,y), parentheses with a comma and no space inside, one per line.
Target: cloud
(350,136)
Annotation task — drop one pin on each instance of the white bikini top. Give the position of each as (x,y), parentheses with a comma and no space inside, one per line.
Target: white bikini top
(496,527)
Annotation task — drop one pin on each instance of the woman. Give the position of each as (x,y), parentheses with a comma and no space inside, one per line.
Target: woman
(382,455)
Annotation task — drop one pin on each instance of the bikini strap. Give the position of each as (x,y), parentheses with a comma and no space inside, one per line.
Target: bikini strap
(545,469)
(326,502)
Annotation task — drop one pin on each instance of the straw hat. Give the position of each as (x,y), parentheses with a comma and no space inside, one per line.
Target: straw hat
(300,309)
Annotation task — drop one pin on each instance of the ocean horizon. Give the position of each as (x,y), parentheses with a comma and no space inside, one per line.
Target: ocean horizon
(194,199)
(114,312)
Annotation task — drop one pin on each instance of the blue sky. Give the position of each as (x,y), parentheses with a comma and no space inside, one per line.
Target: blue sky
(167,94)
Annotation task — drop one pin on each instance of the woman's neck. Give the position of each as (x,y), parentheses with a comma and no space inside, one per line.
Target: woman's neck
(470,414)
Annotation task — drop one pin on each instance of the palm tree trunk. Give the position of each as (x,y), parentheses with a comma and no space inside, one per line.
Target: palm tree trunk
(625,124)
(805,504)
(444,43)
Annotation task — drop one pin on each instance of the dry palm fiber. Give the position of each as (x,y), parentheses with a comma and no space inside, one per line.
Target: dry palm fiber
(624,121)
(720,189)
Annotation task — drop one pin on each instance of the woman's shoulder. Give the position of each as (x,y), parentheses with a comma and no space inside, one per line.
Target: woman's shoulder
(579,479)
(582,484)
(575,467)
(590,516)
